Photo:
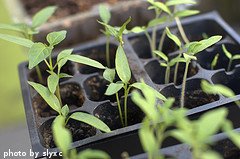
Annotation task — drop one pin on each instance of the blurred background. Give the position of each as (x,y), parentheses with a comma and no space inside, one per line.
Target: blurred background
(12,117)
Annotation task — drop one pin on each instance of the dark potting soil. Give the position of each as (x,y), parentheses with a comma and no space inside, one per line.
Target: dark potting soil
(71,95)
(195,98)
(78,130)
(65,7)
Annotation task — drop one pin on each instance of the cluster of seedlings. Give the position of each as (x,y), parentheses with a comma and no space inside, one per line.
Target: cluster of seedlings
(161,113)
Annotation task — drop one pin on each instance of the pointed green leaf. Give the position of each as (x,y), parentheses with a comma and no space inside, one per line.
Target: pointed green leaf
(208,122)
(55,38)
(162,6)
(122,66)
(215,60)
(161,54)
(90,120)
(185,13)
(113,88)
(93,154)
(104,13)
(17,40)
(206,43)
(13,27)
(188,57)
(211,155)
(61,135)
(236,57)
(109,75)
(37,53)
(216,89)
(63,58)
(173,37)
(177,2)
(147,138)
(163,64)
(65,110)
(113,31)
(123,28)
(50,98)
(138,29)
(42,16)
(86,61)
(226,52)
(157,21)
(65,75)
(52,81)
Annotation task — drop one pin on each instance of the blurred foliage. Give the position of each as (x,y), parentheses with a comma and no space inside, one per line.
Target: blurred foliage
(11,106)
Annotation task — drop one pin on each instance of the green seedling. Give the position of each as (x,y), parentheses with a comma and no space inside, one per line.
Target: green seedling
(168,63)
(218,89)
(105,16)
(197,134)
(63,140)
(192,49)
(214,61)
(230,57)
(28,31)
(169,16)
(159,117)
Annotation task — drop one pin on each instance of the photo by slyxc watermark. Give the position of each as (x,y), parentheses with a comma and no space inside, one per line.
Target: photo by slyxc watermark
(11,154)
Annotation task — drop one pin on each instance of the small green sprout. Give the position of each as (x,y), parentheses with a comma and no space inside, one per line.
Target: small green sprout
(28,31)
(230,57)
(198,133)
(168,63)
(214,61)
(63,139)
(105,16)
(194,48)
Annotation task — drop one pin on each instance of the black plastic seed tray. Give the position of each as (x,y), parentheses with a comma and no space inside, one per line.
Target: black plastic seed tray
(85,91)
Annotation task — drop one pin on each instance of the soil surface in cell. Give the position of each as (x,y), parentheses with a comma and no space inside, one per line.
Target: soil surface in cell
(71,95)
(195,98)
(65,7)
(78,130)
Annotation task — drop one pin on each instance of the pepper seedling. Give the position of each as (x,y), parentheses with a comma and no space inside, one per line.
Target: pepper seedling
(214,61)
(28,31)
(197,134)
(105,16)
(192,49)
(63,140)
(230,57)
(159,117)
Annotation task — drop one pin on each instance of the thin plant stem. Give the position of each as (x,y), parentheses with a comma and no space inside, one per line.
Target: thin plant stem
(160,46)
(107,51)
(126,91)
(39,74)
(229,65)
(167,74)
(119,109)
(58,94)
(181,30)
(154,32)
(175,73)
(184,84)
(150,43)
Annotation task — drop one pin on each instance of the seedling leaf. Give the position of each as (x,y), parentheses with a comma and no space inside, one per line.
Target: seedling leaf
(12,27)
(85,60)
(17,40)
(214,62)
(37,53)
(109,74)
(185,13)
(63,58)
(62,136)
(177,2)
(52,81)
(65,110)
(138,29)
(90,120)
(226,52)
(113,88)
(236,57)
(162,55)
(104,13)
(50,98)
(122,66)
(173,37)
(158,21)
(55,38)
(42,16)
